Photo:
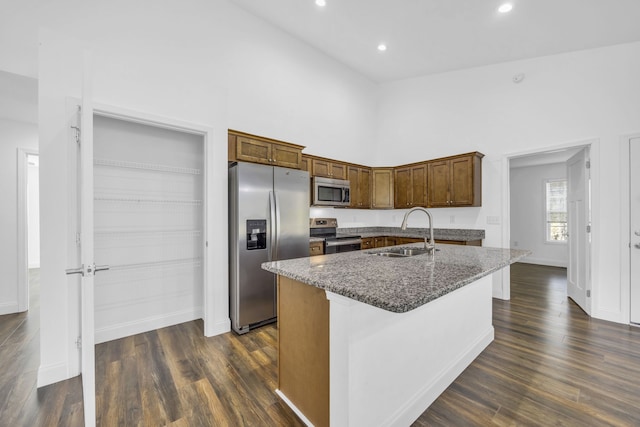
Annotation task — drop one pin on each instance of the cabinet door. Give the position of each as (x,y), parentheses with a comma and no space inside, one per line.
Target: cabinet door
(252,150)
(367,243)
(364,188)
(461,184)
(354,184)
(419,186)
(379,242)
(391,241)
(338,171)
(359,182)
(329,169)
(316,248)
(321,168)
(438,194)
(305,164)
(402,187)
(284,156)
(382,194)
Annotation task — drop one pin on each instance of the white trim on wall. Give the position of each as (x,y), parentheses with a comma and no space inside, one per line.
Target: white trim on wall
(625,227)
(22,232)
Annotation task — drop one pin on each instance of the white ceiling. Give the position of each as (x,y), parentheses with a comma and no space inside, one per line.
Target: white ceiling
(434,36)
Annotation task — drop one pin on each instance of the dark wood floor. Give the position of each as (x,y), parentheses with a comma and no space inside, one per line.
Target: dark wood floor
(549,365)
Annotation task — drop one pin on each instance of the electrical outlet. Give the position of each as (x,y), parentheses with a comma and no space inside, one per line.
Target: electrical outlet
(493,220)
(515,243)
(452,219)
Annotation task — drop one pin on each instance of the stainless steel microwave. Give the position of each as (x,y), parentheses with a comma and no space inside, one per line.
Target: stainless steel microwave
(330,192)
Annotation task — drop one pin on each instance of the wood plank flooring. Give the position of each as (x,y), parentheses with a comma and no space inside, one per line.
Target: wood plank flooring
(549,365)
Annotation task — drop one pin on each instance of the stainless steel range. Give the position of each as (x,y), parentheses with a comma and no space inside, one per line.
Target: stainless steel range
(334,242)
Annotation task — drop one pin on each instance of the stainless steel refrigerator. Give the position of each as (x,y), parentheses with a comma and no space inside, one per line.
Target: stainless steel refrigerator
(268,221)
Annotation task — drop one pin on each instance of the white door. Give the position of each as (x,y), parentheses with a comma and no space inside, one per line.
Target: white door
(87,267)
(578,223)
(634,199)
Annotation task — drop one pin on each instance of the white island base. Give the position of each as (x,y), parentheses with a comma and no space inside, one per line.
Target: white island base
(347,363)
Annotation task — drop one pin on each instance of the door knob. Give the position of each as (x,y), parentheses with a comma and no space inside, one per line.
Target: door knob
(79,270)
(637,245)
(637,232)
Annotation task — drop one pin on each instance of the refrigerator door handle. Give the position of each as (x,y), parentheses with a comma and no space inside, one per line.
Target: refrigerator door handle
(273,231)
(277,226)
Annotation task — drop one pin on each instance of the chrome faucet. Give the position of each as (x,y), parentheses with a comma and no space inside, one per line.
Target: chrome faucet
(429,247)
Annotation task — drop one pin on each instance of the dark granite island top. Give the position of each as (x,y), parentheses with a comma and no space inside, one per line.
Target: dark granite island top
(397,284)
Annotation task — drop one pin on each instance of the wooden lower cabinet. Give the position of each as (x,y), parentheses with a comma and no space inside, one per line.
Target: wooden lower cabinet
(316,248)
(303,348)
(379,242)
(367,243)
(382,241)
(461,242)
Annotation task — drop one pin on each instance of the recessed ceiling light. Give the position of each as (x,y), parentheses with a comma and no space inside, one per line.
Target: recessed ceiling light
(382,47)
(505,8)
(321,3)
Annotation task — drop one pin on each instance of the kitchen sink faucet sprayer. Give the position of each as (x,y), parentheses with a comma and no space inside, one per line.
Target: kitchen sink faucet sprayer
(429,247)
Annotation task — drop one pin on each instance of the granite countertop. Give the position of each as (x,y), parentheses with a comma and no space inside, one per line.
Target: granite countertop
(438,233)
(397,284)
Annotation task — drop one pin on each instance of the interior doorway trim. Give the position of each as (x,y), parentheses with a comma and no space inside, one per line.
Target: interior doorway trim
(625,226)
(215,322)
(594,145)
(22,228)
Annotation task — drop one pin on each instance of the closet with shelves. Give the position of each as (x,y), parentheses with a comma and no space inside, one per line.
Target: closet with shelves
(148,227)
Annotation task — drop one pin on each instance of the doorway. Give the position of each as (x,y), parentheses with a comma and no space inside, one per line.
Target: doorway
(575,253)
(149,211)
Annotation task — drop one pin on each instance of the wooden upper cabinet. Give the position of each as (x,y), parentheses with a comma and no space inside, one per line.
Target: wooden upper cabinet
(455,181)
(382,188)
(255,149)
(329,169)
(305,164)
(410,183)
(359,180)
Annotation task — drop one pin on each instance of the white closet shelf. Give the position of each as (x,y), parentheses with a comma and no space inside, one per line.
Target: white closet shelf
(145,166)
(195,262)
(147,233)
(147,200)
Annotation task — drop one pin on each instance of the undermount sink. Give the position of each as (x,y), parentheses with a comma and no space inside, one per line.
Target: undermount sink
(400,252)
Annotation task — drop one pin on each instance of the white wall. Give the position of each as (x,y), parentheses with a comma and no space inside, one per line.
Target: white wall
(18,129)
(564,99)
(204,62)
(13,135)
(527,188)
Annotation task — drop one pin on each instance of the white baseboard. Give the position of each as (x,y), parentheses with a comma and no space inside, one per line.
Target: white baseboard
(610,316)
(126,329)
(415,406)
(218,328)
(52,374)
(543,261)
(294,408)
(9,307)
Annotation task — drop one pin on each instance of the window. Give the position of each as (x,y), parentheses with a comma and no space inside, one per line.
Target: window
(556,210)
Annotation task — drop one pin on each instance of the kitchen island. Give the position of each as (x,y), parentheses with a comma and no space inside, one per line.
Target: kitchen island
(372,340)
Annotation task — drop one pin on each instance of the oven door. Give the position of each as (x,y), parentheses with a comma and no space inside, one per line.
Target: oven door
(345,245)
